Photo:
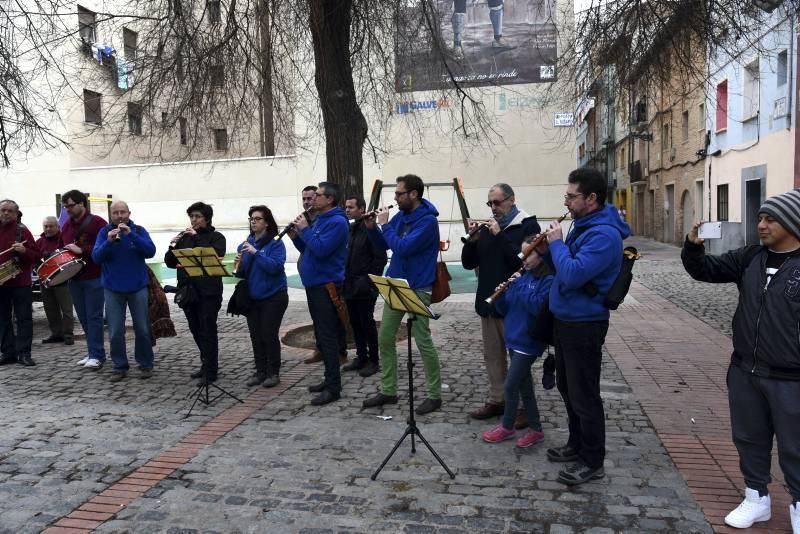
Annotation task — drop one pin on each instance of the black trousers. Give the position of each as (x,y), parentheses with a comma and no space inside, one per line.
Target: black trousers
(264,323)
(763,408)
(327,329)
(578,362)
(16,302)
(202,319)
(365,331)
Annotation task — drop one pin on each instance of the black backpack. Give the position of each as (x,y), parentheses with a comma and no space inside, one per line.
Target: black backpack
(622,284)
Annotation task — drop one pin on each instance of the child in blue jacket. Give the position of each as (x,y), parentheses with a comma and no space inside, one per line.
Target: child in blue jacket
(521,304)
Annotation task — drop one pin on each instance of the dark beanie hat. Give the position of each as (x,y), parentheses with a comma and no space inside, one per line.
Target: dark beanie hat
(785,209)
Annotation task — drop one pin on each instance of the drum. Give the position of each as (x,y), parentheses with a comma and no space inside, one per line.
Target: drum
(59,268)
(8,270)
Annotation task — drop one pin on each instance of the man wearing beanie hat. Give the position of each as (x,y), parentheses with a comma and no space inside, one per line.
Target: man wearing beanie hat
(764,375)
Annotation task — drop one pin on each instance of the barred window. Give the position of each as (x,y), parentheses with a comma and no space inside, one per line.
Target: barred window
(220,139)
(92,111)
(722,202)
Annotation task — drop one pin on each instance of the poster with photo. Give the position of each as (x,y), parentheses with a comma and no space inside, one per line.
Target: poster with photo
(475,42)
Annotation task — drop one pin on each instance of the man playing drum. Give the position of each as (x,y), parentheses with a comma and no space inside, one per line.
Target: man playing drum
(56,299)
(19,254)
(78,236)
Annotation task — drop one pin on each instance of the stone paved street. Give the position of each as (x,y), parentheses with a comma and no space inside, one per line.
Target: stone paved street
(68,434)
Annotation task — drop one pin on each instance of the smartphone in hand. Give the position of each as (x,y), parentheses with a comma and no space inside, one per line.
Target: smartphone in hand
(710,230)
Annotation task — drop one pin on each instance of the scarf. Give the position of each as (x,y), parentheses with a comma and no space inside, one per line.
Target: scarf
(506,219)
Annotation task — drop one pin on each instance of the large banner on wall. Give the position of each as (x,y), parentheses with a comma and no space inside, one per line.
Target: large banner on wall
(475,43)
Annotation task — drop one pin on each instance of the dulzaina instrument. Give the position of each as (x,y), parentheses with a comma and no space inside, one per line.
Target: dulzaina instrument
(289,227)
(238,259)
(178,237)
(469,235)
(522,255)
(61,266)
(369,214)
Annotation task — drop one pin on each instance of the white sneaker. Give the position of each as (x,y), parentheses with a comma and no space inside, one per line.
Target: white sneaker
(794,514)
(83,361)
(752,510)
(93,363)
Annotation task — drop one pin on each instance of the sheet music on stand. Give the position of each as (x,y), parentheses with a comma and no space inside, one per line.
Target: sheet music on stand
(399,296)
(200,261)
(196,262)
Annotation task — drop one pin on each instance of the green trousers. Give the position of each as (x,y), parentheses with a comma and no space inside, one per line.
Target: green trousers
(421,332)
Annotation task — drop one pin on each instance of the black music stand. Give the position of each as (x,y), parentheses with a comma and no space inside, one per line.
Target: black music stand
(196,262)
(400,297)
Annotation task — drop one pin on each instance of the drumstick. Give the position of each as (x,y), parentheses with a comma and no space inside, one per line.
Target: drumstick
(12,248)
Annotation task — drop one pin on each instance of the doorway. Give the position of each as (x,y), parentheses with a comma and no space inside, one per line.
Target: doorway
(669,214)
(687,207)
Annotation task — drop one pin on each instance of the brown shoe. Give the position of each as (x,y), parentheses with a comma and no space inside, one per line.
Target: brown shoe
(316,357)
(521,421)
(342,358)
(488,410)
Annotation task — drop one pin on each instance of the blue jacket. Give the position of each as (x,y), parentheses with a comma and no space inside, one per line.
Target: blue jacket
(522,303)
(324,249)
(591,253)
(122,262)
(264,269)
(414,241)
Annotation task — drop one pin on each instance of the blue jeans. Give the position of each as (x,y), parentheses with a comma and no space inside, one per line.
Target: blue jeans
(519,384)
(87,296)
(140,315)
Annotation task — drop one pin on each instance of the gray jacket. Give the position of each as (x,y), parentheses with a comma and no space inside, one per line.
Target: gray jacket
(766,325)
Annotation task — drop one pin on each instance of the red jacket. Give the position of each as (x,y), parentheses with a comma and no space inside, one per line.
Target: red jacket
(86,243)
(26,261)
(48,245)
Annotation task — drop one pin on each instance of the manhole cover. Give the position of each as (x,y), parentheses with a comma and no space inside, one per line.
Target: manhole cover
(302,337)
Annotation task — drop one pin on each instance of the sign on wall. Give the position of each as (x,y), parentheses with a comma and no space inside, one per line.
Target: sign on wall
(491,42)
(563,119)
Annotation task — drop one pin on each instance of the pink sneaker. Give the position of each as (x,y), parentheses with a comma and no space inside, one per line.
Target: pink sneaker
(530,437)
(497,434)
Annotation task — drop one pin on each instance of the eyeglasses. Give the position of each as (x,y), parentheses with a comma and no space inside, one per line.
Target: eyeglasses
(497,203)
(255,219)
(573,196)
(398,194)
(70,206)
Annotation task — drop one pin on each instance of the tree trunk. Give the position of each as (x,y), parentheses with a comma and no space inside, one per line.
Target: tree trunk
(345,126)
(266,109)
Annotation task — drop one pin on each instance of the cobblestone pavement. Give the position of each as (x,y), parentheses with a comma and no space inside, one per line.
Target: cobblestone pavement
(662,271)
(68,434)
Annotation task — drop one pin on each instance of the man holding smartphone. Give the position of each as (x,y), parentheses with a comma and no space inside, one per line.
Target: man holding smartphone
(764,374)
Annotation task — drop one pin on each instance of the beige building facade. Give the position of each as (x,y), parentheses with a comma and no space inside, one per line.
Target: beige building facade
(160,163)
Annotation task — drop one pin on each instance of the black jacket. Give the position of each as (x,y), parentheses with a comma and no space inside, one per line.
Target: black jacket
(766,325)
(495,257)
(206,237)
(363,258)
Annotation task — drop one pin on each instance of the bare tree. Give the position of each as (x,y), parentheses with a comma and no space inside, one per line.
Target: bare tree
(238,69)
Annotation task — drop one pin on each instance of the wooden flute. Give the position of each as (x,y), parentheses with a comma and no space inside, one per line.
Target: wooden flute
(538,240)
